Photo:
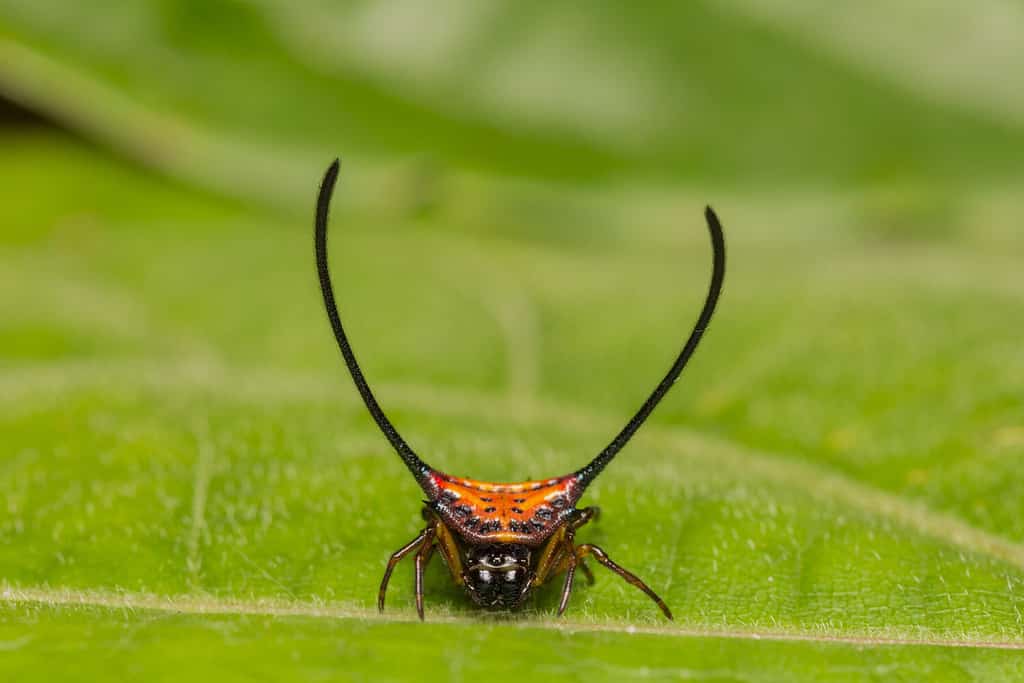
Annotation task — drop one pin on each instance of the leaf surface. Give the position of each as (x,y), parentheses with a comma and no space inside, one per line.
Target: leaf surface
(189,485)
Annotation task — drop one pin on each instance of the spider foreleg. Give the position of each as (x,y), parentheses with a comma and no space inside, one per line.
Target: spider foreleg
(395,558)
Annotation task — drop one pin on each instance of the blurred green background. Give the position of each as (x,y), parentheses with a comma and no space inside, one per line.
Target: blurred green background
(519,250)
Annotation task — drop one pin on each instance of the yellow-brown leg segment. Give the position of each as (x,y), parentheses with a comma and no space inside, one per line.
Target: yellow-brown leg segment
(549,558)
(602,557)
(553,558)
(450,552)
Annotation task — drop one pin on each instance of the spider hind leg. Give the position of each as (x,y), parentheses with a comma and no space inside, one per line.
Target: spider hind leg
(565,556)
(601,556)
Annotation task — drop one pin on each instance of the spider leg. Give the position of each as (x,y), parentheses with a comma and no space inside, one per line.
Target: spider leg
(586,572)
(602,557)
(449,548)
(551,557)
(396,557)
(423,556)
(559,555)
(570,561)
(560,560)
(584,515)
(570,573)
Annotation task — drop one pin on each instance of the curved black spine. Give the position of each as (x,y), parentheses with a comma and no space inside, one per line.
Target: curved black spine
(592,469)
(419,469)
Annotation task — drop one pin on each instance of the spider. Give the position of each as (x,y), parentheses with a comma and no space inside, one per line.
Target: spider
(503,540)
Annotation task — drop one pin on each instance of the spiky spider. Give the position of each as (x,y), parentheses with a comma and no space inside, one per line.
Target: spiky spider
(501,541)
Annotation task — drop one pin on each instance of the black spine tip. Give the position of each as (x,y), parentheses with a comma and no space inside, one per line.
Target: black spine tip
(331,175)
(419,469)
(595,466)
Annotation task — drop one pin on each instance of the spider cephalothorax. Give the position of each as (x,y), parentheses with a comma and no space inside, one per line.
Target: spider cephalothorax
(502,540)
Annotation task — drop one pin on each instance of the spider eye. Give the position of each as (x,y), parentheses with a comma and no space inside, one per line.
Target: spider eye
(484,576)
(511,575)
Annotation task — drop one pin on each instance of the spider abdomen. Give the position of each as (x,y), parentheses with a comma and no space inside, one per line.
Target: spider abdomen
(483,513)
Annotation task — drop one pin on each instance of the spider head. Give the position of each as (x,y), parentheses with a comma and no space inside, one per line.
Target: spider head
(498,576)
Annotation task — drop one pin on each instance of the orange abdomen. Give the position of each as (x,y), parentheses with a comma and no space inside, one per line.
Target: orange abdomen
(484,512)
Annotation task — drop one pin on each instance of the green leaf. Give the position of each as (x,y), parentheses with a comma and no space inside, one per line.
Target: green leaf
(197,641)
(190,488)
(828,494)
(253,97)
